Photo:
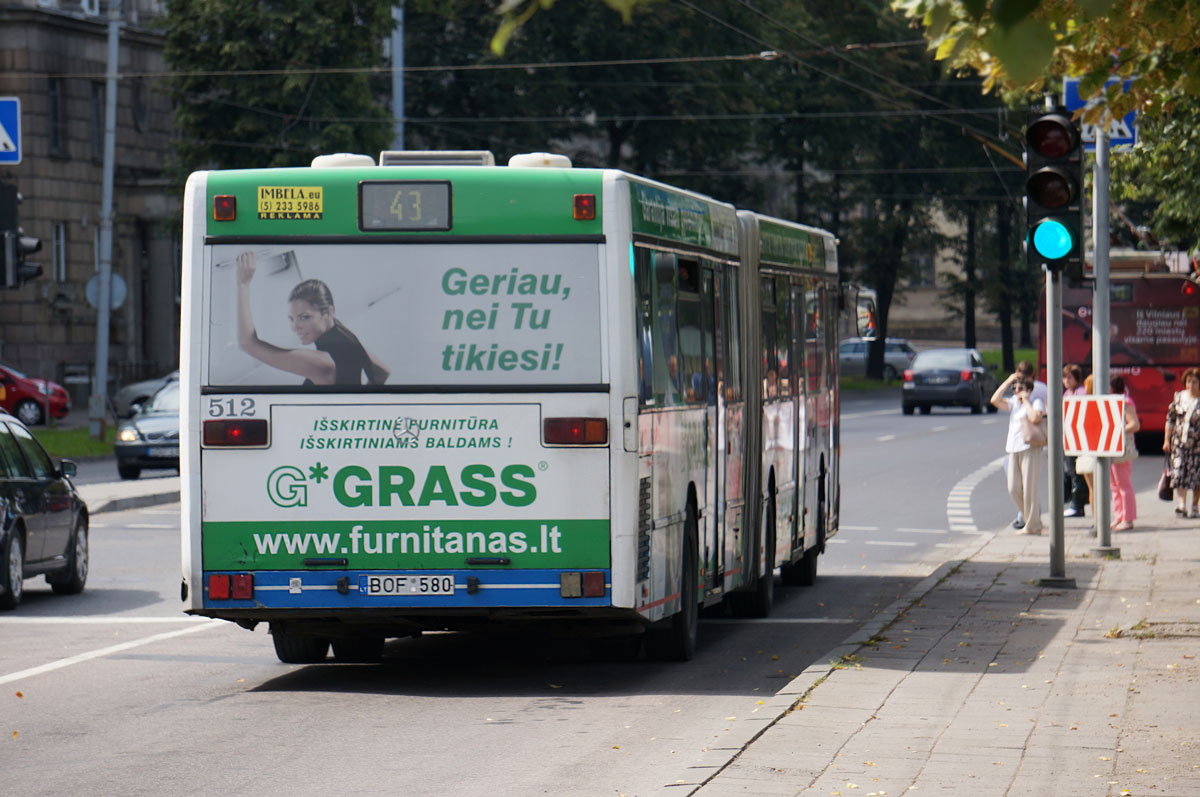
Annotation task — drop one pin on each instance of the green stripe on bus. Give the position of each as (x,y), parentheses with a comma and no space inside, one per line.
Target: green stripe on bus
(682,218)
(485,200)
(405,545)
(790,246)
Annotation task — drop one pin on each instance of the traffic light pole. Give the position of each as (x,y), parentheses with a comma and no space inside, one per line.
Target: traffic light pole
(1100,337)
(1058,558)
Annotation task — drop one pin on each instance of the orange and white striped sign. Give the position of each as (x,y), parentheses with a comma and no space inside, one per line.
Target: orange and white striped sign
(1094,425)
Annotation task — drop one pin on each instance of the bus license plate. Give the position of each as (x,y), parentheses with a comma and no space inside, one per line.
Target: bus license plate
(406,585)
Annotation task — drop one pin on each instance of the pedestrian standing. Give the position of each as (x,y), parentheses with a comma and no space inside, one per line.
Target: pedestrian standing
(1181,443)
(1074,485)
(1025,461)
(1124,499)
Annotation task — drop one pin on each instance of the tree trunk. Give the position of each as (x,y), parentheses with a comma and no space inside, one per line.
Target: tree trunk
(1004,233)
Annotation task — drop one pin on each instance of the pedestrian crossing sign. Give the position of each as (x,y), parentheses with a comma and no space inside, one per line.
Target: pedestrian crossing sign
(10,130)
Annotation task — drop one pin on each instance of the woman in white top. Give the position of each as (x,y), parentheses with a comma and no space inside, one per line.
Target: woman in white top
(1181,442)
(1025,460)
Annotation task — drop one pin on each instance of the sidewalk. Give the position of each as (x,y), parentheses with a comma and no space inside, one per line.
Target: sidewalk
(118,495)
(981,682)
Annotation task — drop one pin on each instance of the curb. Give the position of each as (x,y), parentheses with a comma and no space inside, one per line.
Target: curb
(134,502)
(745,731)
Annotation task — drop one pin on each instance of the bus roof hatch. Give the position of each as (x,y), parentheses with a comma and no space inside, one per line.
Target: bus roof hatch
(413,157)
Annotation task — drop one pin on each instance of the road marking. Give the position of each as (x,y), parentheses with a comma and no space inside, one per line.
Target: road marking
(885,438)
(836,542)
(106,620)
(858,528)
(922,531)
(151,526)
(958,502)
(892,544)
(108,651)
(846,415)
(940,428)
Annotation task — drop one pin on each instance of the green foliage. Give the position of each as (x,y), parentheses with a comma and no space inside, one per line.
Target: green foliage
(75,443)
(274,100)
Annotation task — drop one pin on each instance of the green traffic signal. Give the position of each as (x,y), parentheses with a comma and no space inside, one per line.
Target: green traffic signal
(1052,240)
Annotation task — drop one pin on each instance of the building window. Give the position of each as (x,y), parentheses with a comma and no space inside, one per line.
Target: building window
(54,102)
(141,110)
(58,250)
(97,121)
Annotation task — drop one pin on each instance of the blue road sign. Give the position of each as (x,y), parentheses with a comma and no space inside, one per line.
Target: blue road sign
(10,130)
(1122,133)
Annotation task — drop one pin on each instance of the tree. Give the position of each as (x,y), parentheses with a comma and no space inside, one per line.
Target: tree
(278,98)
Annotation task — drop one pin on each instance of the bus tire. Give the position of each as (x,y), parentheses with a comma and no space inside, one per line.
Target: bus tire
(674,639)
(299,648)
(358,650)
(761,600)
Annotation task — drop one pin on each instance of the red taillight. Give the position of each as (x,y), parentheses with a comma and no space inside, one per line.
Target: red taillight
(593,584)
(585,207)
(224,207)
(575,431)
(908,375)
(242,586)
(966,376)
(236,432)
(218,587)
(1189,288)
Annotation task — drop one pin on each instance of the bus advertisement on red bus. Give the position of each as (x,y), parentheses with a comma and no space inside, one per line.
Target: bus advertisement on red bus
(1154,329)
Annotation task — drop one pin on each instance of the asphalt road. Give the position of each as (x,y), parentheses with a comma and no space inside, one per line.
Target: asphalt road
(115,690)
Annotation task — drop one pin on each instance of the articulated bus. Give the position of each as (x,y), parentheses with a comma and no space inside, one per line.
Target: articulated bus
(437,394)
(1154,335)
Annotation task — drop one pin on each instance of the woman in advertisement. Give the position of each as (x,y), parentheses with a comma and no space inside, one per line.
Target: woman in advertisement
(338,359)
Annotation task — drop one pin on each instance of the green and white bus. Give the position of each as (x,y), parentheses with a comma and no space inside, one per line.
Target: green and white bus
(438,394)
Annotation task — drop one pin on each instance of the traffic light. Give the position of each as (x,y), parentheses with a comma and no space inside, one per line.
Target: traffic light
(1054,193)
(13,245)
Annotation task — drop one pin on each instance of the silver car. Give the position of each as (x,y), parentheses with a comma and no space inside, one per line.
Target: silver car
(897,354)
(129,399)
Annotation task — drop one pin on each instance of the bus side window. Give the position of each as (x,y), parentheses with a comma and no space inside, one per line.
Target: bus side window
(783,335)
(665,348)
(644,299)
(691,332)
(770,364)
(732,370)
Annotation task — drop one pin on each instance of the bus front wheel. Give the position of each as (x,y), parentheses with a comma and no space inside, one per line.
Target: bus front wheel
(299,648)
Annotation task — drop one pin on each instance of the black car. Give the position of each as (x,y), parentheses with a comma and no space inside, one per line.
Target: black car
(150,439)
(43,521)
(948,378)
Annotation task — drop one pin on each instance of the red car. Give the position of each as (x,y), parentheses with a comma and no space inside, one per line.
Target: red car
(25,397)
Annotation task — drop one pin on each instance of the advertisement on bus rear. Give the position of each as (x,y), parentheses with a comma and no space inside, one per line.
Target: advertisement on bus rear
(356,316)
(404,486)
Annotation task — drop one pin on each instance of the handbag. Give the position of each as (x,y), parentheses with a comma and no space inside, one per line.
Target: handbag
(1164,484)
(1131,452)
(1034,433)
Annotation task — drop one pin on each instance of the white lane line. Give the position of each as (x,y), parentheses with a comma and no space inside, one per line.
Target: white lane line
(836,542)
(858,528)
(958,518)
(151,526)
(108,651)
(885,438)
(892,544)
(922,531)
(108,619)
(939,428)
(846,415)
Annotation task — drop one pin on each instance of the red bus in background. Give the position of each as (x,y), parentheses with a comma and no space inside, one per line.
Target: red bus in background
(1154,315)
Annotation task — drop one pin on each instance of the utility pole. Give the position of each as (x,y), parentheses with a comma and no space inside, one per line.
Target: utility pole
(398,76)
(98,402)
(1100,336)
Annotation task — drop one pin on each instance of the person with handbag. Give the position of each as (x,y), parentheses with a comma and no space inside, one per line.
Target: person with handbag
(1124,499)
(1181,442)
(1026,438)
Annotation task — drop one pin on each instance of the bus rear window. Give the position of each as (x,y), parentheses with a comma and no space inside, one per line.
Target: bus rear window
(357,315)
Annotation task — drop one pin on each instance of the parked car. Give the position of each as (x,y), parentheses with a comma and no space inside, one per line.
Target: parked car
(150,439)
(129,399)
(852,356)
(43,521)
(947,377)
(25,396)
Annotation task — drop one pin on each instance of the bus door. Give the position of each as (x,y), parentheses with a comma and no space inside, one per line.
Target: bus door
(812,326)
(730,414)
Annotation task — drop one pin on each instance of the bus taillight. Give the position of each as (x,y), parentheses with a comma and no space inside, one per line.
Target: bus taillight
(1188,289)
(575,431)
(238,586)
(585,207)
(236,432)
(224,207)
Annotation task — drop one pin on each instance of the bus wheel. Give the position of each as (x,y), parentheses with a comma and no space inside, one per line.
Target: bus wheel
(674,639)
(760,601)
(358,650)
(299,648)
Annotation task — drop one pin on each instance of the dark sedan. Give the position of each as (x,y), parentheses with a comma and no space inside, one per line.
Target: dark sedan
(43,521)
(150,439)
(947,378)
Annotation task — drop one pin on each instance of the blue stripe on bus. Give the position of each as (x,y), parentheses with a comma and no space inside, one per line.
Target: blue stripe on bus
(497,588)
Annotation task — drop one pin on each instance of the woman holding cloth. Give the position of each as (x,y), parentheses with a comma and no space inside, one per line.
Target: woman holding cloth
(1181,443)
(1025,461)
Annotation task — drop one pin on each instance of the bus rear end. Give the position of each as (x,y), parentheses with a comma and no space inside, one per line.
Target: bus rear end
(397,406)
